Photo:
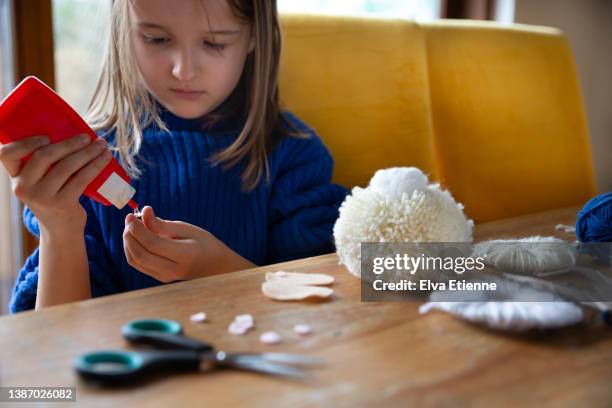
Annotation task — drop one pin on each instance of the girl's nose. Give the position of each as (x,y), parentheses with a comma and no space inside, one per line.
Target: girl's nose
(184,67)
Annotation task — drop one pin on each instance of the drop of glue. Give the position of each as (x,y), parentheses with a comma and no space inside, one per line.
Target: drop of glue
(137,212)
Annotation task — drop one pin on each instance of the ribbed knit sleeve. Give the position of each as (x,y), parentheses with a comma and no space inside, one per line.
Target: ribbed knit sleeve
(303,203)
(102,282)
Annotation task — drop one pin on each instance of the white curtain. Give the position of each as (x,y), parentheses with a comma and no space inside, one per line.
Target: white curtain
(10,221)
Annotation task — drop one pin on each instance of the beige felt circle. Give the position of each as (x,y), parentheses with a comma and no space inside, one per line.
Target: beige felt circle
(280,290)
(299,278)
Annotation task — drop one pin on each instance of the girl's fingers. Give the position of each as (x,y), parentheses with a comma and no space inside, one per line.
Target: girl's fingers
(160,268)
(149,219)
(46,156)
(132,262)
(75,187)
(65,168)
(12,153)
(162,246)
(163,228)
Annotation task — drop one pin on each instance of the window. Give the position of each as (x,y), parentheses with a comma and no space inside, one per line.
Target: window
(6,49)
(10,225)
(80,30)
(504,11)
(422,10)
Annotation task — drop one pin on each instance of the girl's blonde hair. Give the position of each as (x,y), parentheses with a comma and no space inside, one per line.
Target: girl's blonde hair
(121,103)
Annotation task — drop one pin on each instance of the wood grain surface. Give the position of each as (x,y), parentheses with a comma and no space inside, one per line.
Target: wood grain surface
(376,353)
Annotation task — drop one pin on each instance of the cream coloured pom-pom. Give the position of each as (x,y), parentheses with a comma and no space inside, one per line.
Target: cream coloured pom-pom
(397,206)
(394,181)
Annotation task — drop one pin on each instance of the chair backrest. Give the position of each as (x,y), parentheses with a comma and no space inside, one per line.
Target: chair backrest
(362,85)
(493,112)
(509,126)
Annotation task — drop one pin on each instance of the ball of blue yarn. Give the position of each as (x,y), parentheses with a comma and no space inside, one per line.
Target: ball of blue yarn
(594,221)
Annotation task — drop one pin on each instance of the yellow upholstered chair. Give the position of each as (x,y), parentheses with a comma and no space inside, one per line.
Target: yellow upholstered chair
(493,112)
(362,85)
(510,130)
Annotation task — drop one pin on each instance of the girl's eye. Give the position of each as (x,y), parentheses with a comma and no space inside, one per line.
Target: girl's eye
(155,40)
(214,46)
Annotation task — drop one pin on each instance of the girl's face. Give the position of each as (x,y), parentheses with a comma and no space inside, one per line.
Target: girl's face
(179,62)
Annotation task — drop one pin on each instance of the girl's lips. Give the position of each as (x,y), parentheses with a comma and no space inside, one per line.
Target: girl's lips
(187,94)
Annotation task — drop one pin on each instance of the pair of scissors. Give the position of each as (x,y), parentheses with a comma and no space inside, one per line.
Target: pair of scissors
(181,353)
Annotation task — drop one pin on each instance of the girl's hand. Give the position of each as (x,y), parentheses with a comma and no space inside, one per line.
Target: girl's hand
(52,181)
(175,250)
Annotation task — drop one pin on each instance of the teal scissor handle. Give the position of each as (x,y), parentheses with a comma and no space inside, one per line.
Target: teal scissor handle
(115,366)
(161,333)
(152,326)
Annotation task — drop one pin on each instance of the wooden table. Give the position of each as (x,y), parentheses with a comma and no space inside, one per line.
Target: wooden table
(377,353)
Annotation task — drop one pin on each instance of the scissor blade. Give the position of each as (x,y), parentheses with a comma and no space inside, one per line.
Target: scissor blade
(262,366)
(285,358)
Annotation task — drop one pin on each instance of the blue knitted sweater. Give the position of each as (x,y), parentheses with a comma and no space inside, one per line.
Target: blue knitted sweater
(290,217)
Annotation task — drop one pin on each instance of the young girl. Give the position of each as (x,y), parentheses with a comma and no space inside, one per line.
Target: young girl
(188,101)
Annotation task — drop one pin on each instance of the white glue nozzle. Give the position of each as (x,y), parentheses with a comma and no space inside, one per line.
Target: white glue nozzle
(117,190)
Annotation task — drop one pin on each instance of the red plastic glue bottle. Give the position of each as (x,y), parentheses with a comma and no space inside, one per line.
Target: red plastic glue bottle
(34,109)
